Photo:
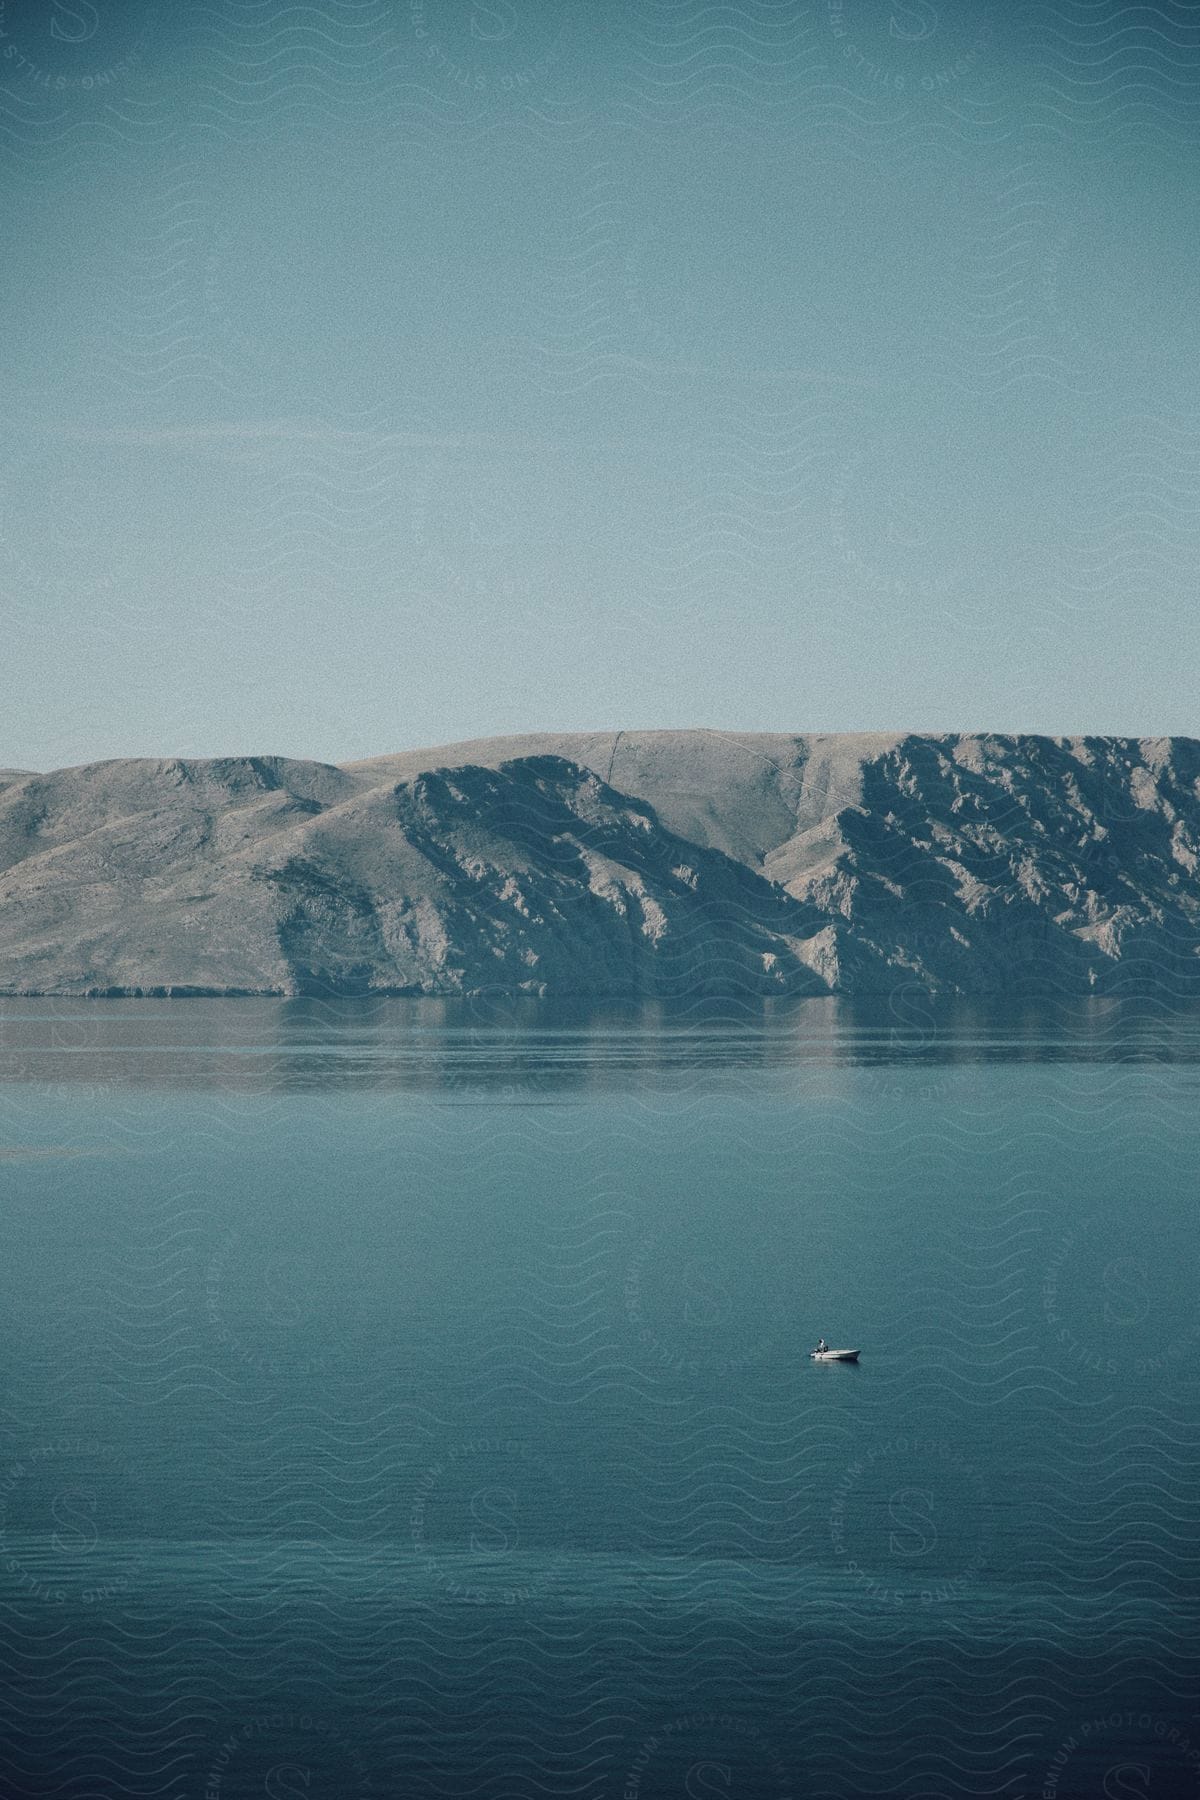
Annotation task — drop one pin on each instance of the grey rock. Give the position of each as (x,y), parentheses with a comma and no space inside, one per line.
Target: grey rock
(675,863)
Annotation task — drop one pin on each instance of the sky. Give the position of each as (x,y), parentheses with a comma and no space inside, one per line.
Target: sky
(383,372)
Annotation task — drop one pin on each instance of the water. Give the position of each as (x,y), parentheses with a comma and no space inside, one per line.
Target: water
(411,1399)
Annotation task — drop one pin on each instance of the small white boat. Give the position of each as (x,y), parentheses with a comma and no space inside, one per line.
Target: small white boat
(835,1355)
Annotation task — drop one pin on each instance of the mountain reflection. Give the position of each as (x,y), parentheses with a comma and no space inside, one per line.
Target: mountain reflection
(510,1050)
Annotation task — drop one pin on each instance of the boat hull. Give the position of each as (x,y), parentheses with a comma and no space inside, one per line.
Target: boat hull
(835,1355)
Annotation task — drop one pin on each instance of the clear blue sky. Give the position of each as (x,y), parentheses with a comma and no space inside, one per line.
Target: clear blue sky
(382,373)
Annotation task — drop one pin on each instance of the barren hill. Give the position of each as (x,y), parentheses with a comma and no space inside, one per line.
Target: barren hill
(672,863)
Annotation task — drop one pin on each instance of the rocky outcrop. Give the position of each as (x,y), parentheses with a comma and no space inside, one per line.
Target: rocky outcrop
(618,863)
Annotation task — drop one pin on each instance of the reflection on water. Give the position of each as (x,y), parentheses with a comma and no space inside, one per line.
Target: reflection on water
(537,1047)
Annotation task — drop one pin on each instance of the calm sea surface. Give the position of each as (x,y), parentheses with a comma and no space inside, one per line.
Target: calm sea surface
(413,1399)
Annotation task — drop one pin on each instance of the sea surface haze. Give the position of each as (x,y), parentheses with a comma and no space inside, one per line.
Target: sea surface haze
(411,1397)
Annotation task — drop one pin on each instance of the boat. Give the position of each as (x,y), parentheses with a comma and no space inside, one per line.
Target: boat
(835,1355)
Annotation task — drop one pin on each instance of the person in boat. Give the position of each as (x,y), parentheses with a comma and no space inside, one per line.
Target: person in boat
(821,1345)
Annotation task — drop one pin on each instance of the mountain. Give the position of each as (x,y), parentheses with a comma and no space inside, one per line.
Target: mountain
(615,863)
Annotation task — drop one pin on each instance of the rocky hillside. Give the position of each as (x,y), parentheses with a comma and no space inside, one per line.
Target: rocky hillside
(626,863)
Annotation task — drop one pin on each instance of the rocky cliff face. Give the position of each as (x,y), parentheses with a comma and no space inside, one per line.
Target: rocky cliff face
(627,863)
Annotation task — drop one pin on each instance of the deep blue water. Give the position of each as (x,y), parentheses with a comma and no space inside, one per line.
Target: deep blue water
(406,1399)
